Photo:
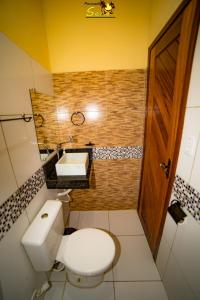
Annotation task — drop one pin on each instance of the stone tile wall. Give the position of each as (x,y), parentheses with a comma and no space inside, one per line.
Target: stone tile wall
(113,103)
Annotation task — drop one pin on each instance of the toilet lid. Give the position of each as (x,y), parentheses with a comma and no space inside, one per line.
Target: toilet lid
(89,252)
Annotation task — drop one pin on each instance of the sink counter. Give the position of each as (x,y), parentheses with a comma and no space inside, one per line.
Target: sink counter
(65,182)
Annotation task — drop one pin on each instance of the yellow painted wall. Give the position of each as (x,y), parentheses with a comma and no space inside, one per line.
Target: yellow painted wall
(161,11)
(79,44)
(22,21)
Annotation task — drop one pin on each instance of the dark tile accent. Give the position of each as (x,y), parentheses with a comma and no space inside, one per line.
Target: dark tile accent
(188,196)
(14,206)
(117,152)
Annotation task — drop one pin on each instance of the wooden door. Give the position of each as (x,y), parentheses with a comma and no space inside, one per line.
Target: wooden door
(170,59)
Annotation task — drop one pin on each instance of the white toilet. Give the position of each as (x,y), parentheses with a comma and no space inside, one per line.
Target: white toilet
(87,253)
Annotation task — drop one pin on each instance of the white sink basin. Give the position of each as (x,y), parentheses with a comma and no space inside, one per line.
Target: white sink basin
(72,164)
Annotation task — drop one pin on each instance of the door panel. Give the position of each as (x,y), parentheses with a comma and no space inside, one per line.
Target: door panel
(162,77)
(163,110)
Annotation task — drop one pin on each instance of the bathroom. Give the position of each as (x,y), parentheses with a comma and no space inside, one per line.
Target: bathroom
(63,59)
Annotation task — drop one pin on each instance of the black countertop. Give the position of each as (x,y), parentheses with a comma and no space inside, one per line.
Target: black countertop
(65,182)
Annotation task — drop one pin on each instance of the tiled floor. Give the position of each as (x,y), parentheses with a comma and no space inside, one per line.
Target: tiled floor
(133,275)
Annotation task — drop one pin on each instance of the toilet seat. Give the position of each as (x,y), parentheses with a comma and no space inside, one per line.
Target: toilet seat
(88,252)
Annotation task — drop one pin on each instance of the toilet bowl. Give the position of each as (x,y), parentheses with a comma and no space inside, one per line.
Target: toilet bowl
(87,253)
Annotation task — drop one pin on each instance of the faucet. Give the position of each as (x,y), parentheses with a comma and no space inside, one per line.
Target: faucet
(69,140)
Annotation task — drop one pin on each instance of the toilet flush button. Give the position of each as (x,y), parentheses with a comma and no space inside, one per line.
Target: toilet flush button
(44,216)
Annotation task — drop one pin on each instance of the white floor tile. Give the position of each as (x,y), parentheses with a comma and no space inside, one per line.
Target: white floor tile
(62,276)
(58,276)
(125,222)
(135,260)
(140,291)
(104,291)
(94,219)
(73,219)
(55,292)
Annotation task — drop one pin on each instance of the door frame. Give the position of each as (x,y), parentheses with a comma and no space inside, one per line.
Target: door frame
(193,24)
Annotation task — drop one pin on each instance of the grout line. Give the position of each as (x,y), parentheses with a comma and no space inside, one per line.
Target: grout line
(63,292)
(78,219)
(150,280)
(114,290)
(136,281)
(112,262)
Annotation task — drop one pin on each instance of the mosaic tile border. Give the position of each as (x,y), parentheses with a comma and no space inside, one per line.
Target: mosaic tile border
(188,196)
(14,206)
(117,152)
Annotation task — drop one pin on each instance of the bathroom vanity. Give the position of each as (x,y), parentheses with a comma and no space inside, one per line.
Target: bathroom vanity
(53,181)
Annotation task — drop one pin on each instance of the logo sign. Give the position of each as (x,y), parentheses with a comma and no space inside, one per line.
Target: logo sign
(101,9)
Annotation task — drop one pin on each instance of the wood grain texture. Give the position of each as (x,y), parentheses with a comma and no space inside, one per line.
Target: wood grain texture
(114,185)
(113,103)
(170,61)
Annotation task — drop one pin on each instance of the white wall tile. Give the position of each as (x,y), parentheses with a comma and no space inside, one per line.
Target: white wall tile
(162,257)
(169,230)
(18,74)
(195,177)
(18,279)
(186,249)
(16,78)
(194,89)
(23,149)
(8,183)
(42,78)
(166,242)
(174,282)
(191,130)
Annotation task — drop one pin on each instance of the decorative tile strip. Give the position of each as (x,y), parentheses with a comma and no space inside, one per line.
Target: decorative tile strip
(117,152)
(188,196)
(14,206)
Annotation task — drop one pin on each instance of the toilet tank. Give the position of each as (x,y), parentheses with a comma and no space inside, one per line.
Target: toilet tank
(43,237)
